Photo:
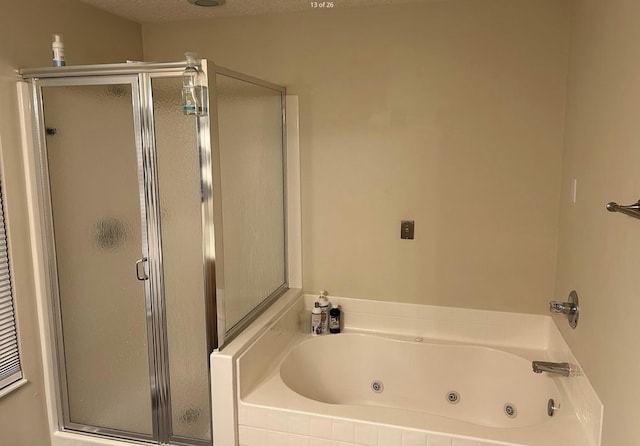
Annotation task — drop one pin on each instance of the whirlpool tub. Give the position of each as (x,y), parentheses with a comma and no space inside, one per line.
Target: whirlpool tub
(388,389)
(472,384)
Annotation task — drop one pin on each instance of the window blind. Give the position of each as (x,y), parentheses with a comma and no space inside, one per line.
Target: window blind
(10,369)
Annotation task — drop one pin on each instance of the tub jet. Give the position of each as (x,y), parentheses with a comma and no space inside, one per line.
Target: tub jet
(377,386)
(510,410)
(453,397)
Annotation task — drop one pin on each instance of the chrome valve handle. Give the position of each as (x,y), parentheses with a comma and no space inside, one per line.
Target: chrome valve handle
(569,308)
(562,307)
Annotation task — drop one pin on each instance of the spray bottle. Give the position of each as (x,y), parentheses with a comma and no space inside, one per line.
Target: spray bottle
(334,319)
(316,320)
(324,307)
(58,50)
(193,87)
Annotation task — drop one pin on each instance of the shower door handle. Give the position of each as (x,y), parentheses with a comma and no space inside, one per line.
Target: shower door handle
(141,263)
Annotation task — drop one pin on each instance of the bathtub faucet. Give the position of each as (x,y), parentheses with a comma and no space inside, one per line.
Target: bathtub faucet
(561,368)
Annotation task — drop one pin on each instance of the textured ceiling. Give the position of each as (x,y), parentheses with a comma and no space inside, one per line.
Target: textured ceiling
(149,11)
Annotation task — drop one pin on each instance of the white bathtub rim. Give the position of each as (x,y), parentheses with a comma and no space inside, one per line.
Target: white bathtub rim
(529,354)
(464,324)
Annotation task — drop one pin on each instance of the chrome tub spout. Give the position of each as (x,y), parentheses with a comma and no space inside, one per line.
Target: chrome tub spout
(560,368)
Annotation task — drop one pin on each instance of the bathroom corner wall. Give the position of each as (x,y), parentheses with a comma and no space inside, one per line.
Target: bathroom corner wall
(90,36)
(598,250)
(449,113)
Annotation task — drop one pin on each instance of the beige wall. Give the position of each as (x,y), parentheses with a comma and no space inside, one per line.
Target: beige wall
(25,31)
(448,113)
(598,252)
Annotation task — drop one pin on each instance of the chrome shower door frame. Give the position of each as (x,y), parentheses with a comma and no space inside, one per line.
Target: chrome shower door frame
(49,237)
(139,76)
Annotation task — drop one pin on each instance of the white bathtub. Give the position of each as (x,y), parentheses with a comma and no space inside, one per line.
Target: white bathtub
(295,389)
(472,384)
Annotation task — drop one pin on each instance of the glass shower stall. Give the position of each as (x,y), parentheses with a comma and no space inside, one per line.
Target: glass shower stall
(165,236)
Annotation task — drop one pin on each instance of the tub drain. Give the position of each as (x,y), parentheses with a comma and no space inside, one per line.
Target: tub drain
(510,410)
(377,386)
(453,397)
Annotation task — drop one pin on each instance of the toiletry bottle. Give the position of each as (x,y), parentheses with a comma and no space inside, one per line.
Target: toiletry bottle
(193,90)
(316,320)
(334,319)
(324,307)
(58,51)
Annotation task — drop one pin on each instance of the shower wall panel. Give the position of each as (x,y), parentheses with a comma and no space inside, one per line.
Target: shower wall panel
(252,176)
(181,229)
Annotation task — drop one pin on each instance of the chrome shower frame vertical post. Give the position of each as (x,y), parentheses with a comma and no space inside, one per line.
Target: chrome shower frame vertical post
(156,316)
(46,217)
(212,212)
(212,247)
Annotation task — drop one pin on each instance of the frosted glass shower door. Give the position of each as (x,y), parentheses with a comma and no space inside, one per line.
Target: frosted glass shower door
(93,156)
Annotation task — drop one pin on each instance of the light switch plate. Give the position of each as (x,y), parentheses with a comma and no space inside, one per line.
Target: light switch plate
(406,229)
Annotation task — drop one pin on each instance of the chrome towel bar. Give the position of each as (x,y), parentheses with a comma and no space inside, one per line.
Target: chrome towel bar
(632,210)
